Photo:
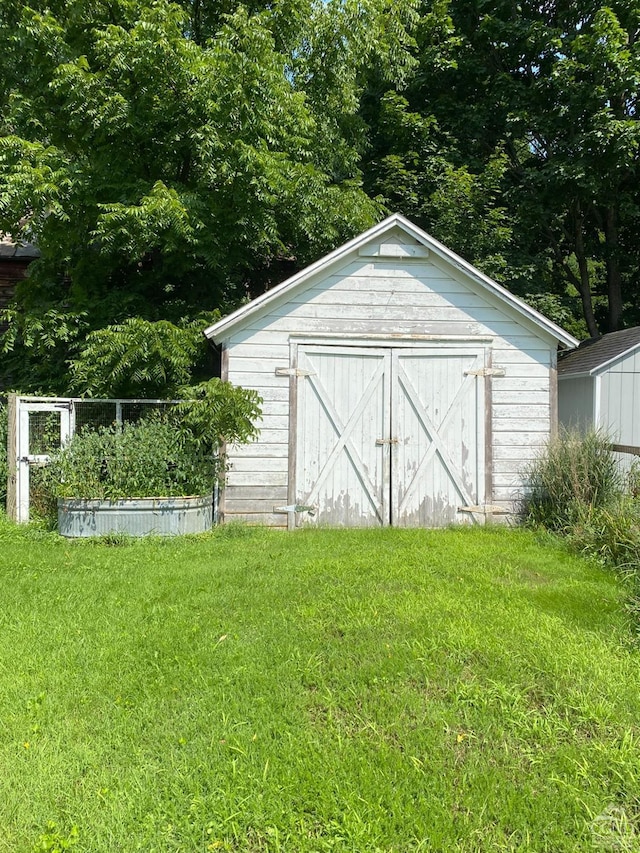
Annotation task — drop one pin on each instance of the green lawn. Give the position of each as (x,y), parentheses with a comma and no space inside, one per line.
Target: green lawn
(468,690)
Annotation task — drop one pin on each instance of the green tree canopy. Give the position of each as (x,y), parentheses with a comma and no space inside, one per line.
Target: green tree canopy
(170,158)
(517,143)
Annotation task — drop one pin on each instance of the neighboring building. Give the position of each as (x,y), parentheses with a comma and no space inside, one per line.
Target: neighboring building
(14,260)
(600,387)
(401,386)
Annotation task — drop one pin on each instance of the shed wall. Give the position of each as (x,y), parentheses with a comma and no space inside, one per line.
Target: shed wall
(575,401)
(385,301)
(620,400)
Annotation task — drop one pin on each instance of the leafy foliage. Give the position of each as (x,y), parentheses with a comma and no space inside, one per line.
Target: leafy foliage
(216,413)
(36,345)
(170,158)
(139,358)
(516,142)
(150,458)
(178,452)
(576,472)
(176,157)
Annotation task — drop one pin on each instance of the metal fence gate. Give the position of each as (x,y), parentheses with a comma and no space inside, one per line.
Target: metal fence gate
(39,426)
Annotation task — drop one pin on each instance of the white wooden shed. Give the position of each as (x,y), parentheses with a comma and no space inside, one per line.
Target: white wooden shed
(599,386)
(401,386)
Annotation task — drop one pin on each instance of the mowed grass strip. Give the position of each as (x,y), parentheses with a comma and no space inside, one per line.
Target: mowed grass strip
(459,690)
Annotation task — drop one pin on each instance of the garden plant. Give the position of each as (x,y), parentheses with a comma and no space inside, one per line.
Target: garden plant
(177,452)
(577,489)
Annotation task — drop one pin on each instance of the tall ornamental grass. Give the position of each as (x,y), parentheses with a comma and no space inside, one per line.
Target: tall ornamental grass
(575,472)
(576,488)
(610,533)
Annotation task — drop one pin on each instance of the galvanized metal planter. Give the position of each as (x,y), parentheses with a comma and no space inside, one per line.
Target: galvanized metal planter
(135,516)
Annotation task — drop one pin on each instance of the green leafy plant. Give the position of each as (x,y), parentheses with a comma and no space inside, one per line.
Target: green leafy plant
(35,344)
(150,458)
(55,840)
(576,470)
(140,358)
(216,413)
(177,452)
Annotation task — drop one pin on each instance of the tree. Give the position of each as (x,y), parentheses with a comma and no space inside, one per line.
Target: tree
(140,358)
(528,125)
(171,158)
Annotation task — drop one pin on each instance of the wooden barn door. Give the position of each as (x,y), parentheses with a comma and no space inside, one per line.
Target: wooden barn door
(389,435)
(342,466)
(438,412)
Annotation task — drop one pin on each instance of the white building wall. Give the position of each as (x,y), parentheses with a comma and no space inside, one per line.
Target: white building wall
(620,400)
(576,401)
(382,299)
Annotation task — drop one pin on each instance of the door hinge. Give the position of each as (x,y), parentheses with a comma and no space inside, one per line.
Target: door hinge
(293,371)
(296,508)
(485,509)
(486,371)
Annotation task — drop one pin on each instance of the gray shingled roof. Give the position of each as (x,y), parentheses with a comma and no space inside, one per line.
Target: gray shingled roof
(10,250)
(597,352)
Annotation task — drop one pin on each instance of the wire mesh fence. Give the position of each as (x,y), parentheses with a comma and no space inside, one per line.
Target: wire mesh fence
(39,426)
(93,414)
(44,433)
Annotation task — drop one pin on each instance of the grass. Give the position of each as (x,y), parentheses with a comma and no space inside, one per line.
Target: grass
(463,690)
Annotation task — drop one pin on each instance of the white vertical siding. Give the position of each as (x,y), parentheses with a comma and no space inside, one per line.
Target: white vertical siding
(620,402)
(620,405)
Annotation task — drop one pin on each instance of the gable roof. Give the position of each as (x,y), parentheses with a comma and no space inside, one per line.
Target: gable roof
(594,355)
(223,328)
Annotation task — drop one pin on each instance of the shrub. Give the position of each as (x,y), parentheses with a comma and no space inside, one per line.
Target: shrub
(576,470)
(177,453)
(150,458)
(139,358)
(216,413)
(609,533)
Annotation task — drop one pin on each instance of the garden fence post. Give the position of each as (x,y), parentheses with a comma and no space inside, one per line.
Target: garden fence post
(12,457)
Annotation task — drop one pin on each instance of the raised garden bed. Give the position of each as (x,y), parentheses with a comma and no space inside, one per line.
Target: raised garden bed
(135,516)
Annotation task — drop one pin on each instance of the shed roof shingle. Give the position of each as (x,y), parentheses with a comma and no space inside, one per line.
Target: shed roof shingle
(10,249)
(597,352)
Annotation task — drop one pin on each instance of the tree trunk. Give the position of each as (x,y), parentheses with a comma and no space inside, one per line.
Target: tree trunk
(614,285)
(585,283)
